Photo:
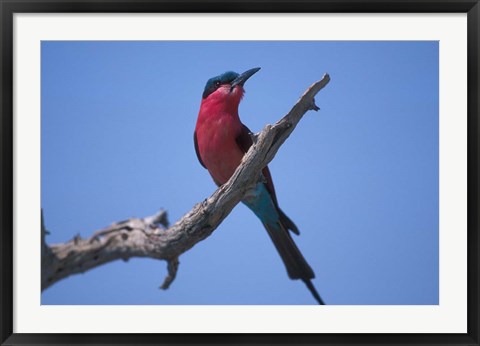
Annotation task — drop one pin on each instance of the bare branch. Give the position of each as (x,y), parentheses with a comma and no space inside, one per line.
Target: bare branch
(172,273)
(150,237)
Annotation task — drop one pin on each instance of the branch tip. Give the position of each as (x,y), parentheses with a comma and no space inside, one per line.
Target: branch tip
(161,218)
(172,268)
(313,106)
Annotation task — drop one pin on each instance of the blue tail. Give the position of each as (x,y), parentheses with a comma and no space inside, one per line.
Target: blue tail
(277,224)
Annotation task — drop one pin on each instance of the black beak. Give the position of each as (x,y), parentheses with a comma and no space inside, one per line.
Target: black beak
(240,80)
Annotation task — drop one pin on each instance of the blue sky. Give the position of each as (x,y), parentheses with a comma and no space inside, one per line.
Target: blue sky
(359,178)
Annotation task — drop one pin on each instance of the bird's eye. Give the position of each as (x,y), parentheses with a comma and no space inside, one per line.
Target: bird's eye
(217,84)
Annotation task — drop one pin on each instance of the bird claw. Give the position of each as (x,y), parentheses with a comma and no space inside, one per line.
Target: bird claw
(253,136)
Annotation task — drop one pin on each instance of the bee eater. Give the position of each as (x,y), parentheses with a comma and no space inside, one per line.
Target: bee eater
(221,141)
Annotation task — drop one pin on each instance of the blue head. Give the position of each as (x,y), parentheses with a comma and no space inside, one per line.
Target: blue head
(231,78)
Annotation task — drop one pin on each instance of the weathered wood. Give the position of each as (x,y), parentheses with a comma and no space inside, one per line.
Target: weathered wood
(151,237)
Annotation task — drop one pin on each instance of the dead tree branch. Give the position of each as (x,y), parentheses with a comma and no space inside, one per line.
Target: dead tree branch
(151,237)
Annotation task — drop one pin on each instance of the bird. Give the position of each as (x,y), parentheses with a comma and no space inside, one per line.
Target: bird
(221,140)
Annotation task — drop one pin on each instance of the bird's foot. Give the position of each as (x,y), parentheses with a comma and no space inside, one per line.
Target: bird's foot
(253,136)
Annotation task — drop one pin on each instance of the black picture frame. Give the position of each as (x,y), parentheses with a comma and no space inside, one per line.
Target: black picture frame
(10,7)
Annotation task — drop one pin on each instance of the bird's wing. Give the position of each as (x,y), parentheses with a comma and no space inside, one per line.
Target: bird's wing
(245,141)
(196,149)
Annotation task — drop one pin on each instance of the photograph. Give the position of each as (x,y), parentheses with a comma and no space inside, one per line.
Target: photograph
(139,140)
